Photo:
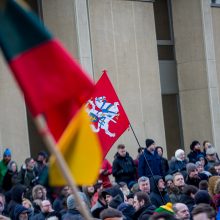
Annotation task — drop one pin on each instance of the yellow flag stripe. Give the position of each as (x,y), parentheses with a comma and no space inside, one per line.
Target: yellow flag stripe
(81,150)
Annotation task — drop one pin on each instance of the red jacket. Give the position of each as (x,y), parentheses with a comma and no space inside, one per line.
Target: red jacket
(105,171)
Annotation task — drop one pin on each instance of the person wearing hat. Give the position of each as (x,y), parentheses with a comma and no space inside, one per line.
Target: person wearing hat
(168,208)
(211,158)
(193,177)
(150,162)
(21,213)
(195,148)
(4,163)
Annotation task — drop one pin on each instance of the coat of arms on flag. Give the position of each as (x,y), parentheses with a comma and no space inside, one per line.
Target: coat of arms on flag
(108,117)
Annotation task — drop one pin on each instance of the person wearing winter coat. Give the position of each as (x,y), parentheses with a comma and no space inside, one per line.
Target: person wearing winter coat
(105,172)
(164,161)
(123,168)
(178,163)
(150,162)
(158,195)
(195,148)
(144,208)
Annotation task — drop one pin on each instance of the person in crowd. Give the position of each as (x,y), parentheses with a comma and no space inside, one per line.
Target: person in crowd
(113,196)
(211,158)
(99,206)
(203,211)
(150,162)
(15,197)
(158,195)
(89,192)
(28,175)
(38,192)
(201,170)
(164,161)
(189,192)
(179,183)
(203,185)
(181,211)
(169,183)
(144,184)
(195,148)
(127,210)
(123,168)
(217,167)
(10,177)
(105,172)
(21,213)
(27,204)
(61,197)
(193,177)
(2,204)
(178,163)
(46,211)
(110,214)
(206,145)
(72,208)
(144,208)
(202,196)
(136,161)
(124,188)
(4,163)
(42,168)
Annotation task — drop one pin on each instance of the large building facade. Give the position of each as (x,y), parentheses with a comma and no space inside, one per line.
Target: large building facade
(162,56)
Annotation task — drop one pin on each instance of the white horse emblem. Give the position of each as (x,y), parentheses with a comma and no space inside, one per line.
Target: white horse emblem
(102,112)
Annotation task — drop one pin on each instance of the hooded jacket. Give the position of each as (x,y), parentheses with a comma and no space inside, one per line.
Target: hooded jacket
(144,212)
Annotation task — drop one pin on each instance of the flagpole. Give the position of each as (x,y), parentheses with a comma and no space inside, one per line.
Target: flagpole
(53,148)
(151,172)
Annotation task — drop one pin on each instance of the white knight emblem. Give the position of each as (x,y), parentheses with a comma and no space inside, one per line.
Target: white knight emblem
(103,113)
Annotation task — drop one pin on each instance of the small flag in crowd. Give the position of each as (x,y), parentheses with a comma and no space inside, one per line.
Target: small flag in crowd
(107,114)
(53,85)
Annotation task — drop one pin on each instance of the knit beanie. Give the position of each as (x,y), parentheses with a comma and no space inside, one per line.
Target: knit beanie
(168,208)
(149,142)
(202,196)
(19,209)
(190,167)
(168,177)
(7,152)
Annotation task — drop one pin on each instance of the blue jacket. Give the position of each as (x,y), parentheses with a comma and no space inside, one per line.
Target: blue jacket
(154,161)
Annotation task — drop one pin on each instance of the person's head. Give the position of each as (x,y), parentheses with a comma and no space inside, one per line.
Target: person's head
(190,190)
(160,183)
(46,206)
(178,180)
(169,181)
(202,196)
(7,156)
(12,166)
(203,185)
(180,155)
(121,150)
(42,157)
(20,212)
(150,145)
(38,192)
(111,214)
(217,167)
(195,146)
(206,144)
(27,203)
(141,199)
(66,191)
(144,184)
(30,163)
(201,159)
(124,188)
(211,154)
(159,150)
(203,211)
(199,166)
(181,211)
(192,171)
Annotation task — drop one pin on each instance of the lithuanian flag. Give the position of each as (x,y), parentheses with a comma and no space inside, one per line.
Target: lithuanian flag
(53,84)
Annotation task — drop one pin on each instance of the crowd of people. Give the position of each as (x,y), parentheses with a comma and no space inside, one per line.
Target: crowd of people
(148,187)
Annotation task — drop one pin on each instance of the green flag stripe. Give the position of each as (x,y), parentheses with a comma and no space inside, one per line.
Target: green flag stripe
(20,30)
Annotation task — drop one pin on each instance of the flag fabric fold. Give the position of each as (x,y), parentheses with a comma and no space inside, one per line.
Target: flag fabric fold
(54,86)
